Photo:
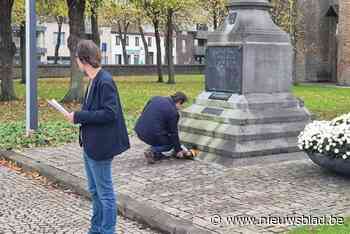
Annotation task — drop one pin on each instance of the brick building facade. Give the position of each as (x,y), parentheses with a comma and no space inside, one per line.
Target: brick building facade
(323,49)
(344,43)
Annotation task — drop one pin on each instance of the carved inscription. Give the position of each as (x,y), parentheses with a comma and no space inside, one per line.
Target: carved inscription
(224,69)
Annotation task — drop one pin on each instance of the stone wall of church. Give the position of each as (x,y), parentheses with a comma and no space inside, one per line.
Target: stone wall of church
(313,60)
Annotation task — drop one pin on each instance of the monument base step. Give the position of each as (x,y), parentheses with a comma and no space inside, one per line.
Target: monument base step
(233,149)
(241,132)
(250,161)
(245,117)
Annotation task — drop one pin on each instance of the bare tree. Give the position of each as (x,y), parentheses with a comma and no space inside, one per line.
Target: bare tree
(8,50)
(76,15)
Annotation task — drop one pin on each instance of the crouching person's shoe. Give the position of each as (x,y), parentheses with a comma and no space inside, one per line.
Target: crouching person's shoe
(149,156)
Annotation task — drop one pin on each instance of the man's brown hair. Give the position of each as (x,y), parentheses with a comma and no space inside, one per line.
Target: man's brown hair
(179,97)
(88,53)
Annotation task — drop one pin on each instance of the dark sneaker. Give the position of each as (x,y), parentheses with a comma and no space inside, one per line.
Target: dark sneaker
(159,156)
(149,157)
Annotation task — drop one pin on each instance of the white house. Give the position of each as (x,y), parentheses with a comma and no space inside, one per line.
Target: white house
(135,48)
(111,48)
(50,41)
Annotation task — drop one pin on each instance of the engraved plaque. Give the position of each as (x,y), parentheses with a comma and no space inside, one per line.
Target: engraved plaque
(212,111)
(220,96)
(224,69)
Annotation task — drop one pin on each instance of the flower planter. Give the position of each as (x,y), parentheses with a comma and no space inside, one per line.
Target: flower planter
(328,143)
(337,165)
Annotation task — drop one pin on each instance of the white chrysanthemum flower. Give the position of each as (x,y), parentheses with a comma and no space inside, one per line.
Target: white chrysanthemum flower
(327,136)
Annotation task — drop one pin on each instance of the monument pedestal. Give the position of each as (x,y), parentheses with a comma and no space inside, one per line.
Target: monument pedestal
(247,108)
(244,125)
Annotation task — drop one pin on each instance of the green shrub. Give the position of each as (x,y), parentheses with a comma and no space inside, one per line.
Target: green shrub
(12,135)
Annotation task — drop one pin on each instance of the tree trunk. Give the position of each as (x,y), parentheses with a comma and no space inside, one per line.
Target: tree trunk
(8,50)
(159,51)
(59,20)
(169,47)
(166,45)
(77,32)
(94,23)
(294,35)
(22,36)
(144,41)
(122,36)
(215,19)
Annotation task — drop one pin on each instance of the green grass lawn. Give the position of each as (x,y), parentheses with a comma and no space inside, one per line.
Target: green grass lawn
(134,92)
(324,229)
(324,102)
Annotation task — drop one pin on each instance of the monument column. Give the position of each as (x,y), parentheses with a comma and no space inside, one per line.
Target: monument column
(344,43)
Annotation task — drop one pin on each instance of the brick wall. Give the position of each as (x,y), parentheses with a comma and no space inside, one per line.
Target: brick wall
(344,43)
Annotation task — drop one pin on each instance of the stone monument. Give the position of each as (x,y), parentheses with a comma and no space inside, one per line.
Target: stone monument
(247,108)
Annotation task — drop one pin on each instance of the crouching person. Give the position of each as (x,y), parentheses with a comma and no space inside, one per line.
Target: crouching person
(158,126)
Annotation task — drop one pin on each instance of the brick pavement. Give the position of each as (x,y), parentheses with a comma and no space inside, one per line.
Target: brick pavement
(196,190)
(27,206)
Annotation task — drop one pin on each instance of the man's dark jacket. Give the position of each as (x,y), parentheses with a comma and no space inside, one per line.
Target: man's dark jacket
(103,133)
(157,124)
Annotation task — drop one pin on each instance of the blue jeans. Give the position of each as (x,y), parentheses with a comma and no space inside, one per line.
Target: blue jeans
(100,184)
(158,150)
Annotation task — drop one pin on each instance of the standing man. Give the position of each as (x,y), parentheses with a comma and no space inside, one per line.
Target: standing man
(103,135)
(158,126)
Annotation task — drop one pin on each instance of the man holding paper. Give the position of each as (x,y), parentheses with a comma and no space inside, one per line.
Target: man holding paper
(103,134)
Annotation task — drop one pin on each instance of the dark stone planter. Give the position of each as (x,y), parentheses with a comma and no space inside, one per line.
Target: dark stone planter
(337,165)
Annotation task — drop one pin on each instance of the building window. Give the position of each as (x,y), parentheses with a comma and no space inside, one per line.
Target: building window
(118,59)
(63,41)
(117,40)
(136,59)
(137,41)
(149,41)
(127,41)
(104,60)
(104,47)
(151,58)
(129,59)
(201,43)
(183,46)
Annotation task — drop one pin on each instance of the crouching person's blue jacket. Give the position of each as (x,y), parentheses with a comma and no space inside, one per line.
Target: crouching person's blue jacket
(103,133)
(158,123)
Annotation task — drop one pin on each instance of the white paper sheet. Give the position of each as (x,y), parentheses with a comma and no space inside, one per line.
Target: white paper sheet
(57,106)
